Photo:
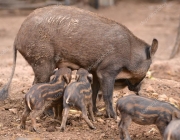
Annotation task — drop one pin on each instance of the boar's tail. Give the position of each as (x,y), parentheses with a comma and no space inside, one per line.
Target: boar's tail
(28,102)
(4,91)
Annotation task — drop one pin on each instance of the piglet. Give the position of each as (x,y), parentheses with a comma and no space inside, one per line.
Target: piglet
(172,131)
(45,94)
(144,111)
(79,95)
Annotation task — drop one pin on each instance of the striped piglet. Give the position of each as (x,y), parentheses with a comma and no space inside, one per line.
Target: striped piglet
(144,111)
(45,94)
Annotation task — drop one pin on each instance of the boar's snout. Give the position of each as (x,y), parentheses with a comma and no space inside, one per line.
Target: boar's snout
(134,87)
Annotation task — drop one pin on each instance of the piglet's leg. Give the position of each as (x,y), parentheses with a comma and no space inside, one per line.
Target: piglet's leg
(65,115)
(161,125)
(24,117)
(55,110)
(90,109)
(124,124)
(33,116)
(85,117)
(60,109)
(120,131)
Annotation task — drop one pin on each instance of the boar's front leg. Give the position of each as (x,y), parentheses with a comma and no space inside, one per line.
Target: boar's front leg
(107,81)
(95,89)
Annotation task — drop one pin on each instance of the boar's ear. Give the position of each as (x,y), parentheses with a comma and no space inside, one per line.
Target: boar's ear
(66,78)
(77,77)
(153,48)
(90,78)
(175,115)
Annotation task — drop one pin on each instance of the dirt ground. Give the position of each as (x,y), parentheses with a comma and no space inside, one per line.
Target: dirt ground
(145,20)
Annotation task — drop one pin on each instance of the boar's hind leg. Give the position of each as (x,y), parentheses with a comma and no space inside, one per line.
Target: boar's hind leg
(43,69)
(107,81)
(123,126)
(95,89)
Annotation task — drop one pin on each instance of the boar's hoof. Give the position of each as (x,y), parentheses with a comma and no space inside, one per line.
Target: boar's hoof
(98,114)
(93,127)
(21,126)
(33,129)
(62,129)
(111,115)
(93,120)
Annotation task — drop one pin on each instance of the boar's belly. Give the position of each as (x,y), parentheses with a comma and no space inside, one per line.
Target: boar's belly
(67,64)
(124,75)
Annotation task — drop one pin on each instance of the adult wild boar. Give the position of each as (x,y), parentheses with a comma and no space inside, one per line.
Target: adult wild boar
(58,36)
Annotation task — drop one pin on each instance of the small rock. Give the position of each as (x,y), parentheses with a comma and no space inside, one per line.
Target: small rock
(74,123)
(51,129)
(149,74)
(155,95)
(13,110)
(100,120)
(153,130)
(150,89)
(102,135)
(163,97)
(2,108)
(174,102)
(113,126)
(126,94)
(24,91)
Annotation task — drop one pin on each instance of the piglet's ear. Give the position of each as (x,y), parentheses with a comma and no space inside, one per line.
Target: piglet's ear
(90,78)
(153,48)
(175,115)
(54,71)
(66,78)
(53,77)
(77,77)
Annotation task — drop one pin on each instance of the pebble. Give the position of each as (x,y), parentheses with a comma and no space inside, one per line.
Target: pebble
(100,120)
(163,97)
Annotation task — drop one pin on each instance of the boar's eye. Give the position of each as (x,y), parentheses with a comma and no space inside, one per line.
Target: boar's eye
(148,54)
